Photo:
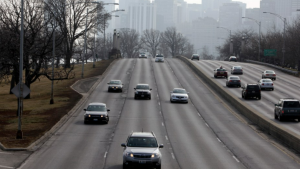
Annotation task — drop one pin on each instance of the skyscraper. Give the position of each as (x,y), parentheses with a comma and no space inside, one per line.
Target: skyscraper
(166,11)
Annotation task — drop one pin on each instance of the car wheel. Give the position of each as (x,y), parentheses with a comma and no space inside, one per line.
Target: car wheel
(171,101)
(158,167)
(275,115)
(108,90)
(215,76)
(259,97)
(135,97)
(149,98)
(121,90)
(125,166)
(85,122)
(280,118)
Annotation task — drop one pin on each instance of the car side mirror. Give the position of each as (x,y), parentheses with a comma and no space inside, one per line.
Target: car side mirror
(276,104)
(134,88)
(161,146)
(150,89)
(108,110)
(84,109)
(214,69)
(123,145)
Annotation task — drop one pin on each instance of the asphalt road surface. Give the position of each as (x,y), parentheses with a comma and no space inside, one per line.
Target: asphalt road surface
(285,86)
(205,133)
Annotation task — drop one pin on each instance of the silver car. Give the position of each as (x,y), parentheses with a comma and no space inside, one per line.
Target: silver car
(115,85)
(96,112)
(179,95)
(270,74)
(233,81)
(236,70)
(142,149)
(159,58)
(266,84)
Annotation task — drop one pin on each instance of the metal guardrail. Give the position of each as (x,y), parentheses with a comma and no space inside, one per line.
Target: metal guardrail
(296,73)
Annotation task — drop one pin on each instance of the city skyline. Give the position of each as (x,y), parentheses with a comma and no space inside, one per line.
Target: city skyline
(250,3)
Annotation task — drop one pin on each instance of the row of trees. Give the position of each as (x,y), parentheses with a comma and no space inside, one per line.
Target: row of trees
(41,19)
(273,39)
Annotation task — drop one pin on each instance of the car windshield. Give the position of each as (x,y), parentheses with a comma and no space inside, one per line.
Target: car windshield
(142,87)
(237,67)
(270,72)
(115,82)
(159,56)
(234,78)
(220,70)
(96,108)
(179,91)
(142,142)
(267,80)
(291,104)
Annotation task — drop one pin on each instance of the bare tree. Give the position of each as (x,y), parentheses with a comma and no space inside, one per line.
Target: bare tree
(130,42)
(151,39)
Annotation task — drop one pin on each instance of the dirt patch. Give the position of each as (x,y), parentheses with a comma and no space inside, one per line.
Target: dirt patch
(38,115)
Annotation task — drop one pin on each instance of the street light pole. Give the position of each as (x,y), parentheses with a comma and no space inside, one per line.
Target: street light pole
(85,50)
(284,23)
(231,45)
(20,106)
(259,34)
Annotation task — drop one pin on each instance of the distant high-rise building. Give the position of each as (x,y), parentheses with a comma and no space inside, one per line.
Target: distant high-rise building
(194,12)
(230,16)
(268,21)
(254,14)
(142,16)
(166,11)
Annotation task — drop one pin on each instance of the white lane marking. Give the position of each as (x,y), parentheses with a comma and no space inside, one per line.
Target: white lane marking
(206,124)
(159,112)
(173,156)
(4,153)
(158,103)
(199,115)
(157,95)
(236,159)
(162,124)
(105,154)
(219,140)
(167,138)
(2,166)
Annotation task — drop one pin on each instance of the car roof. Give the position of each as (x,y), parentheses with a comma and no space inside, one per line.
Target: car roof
(115,80)
(289,99)
(195,55)
(143,84)
(252,84)
(234,76)
(98,103)
(142,134)
(179,88)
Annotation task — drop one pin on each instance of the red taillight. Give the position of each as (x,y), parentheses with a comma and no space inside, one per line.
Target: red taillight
(282,111)
(272,84)
(262,84)
(239,81)
(274,75)
(230,80)
(267,75)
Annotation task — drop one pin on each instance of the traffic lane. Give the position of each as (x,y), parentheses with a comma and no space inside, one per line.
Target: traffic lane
(76,145)
(194,144)
(269,98)
(140,115)
(247,146)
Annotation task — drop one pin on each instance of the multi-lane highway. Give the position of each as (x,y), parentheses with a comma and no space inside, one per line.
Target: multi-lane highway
(286,86)
(205,133)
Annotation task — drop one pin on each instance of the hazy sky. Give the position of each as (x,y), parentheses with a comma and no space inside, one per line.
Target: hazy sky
(250,3)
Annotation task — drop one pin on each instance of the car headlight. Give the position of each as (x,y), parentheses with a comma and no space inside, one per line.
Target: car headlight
(154,155)
(136,92)
(87,115)
(129,154)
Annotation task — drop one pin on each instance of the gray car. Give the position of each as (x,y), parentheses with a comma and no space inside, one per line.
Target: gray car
(233,81)
(115,85)
(142,149)
(236,70)
(179,95)
(96,112)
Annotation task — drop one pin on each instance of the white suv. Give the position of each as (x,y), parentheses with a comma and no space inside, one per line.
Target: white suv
(159,58)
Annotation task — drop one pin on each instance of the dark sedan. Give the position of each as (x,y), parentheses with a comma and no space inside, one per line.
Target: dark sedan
(233,81)
(115,85)
(142,91)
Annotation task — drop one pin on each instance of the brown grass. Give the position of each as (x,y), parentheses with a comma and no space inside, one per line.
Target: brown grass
(38,114)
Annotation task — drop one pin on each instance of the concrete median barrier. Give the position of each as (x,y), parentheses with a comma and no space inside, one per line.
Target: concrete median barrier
(286,136)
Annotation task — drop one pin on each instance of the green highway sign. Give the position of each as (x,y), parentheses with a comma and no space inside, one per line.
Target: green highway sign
(270,52)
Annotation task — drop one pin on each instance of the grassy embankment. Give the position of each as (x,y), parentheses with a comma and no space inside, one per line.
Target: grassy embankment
(38,115)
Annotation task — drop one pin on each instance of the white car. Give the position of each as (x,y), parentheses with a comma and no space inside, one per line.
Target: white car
(266,84)
(179,95)
(96,112)
(270,74)
(142,55)
(159,58)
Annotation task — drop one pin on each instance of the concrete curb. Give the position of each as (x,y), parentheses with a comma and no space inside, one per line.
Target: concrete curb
(287,137)
(38,143)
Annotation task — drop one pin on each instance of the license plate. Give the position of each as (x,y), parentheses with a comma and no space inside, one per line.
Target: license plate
(221,72)
(142,95)
(95,119)
(292,111)
(142,161)
(253,91)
